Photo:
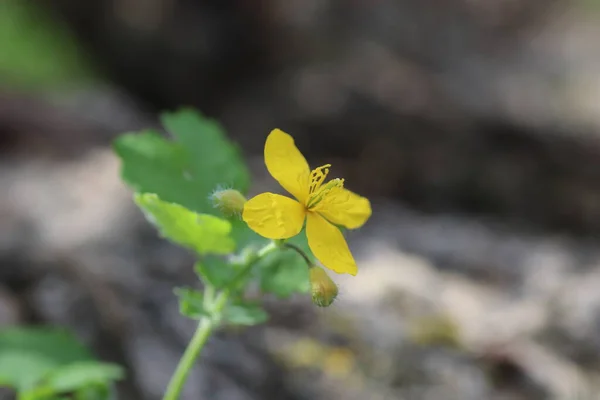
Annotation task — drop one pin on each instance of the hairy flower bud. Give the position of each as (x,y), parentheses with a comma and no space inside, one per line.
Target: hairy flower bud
(229,201)
(323,288)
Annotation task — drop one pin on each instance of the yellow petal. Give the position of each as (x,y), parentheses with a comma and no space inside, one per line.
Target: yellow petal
(274,216)
(343,207)
(286,164)
(328,245)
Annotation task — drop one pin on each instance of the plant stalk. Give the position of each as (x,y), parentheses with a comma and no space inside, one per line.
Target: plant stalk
(194,348)
(206,326)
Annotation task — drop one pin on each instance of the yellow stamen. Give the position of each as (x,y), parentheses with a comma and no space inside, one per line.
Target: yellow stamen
(317,176)
(320,195)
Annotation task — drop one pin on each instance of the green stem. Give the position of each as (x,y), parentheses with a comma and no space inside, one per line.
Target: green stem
(268,249)
(215,306)
(203,332)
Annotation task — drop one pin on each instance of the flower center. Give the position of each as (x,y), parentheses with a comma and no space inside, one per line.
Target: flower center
(322,192)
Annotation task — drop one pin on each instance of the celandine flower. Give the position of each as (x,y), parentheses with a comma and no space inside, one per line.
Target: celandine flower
(323,206)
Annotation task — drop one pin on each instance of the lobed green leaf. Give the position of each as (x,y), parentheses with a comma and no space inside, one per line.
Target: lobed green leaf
(185,170)
(246,314)
(203,233)
(28,354)
(188,169)
(74,376)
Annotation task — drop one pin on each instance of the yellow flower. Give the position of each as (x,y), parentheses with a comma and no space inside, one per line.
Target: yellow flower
(321,205)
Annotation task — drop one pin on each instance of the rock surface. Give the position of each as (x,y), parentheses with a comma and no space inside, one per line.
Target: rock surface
(444,306)
(472,126)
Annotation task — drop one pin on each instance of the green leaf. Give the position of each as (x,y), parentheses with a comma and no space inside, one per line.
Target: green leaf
(191,303)
(285,275)
(244,235)
(96,392)
(286,272)
(91,391)
(37,50)
(21,369)
(81,374)
(215,159)
(245,314)
(152,164)
(301,241)
(187,170)
(215,271)
(28,354)
(203,233)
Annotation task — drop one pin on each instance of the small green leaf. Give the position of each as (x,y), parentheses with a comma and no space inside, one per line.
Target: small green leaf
(191,303)
(91,391)
(96,392)
(215,271)
(28,354)
(81,374)
(286,272)
(203,233)
(245,314)
(301,241)
(285,275)
(21,370)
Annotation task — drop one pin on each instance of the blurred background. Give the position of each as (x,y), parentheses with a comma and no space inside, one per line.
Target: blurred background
(474,127)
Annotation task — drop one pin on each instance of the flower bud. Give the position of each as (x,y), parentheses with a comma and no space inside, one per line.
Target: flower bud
(229,201)
(323,288)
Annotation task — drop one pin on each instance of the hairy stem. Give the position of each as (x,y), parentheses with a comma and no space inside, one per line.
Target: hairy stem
(299,251)
(194,348)
(215,305)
